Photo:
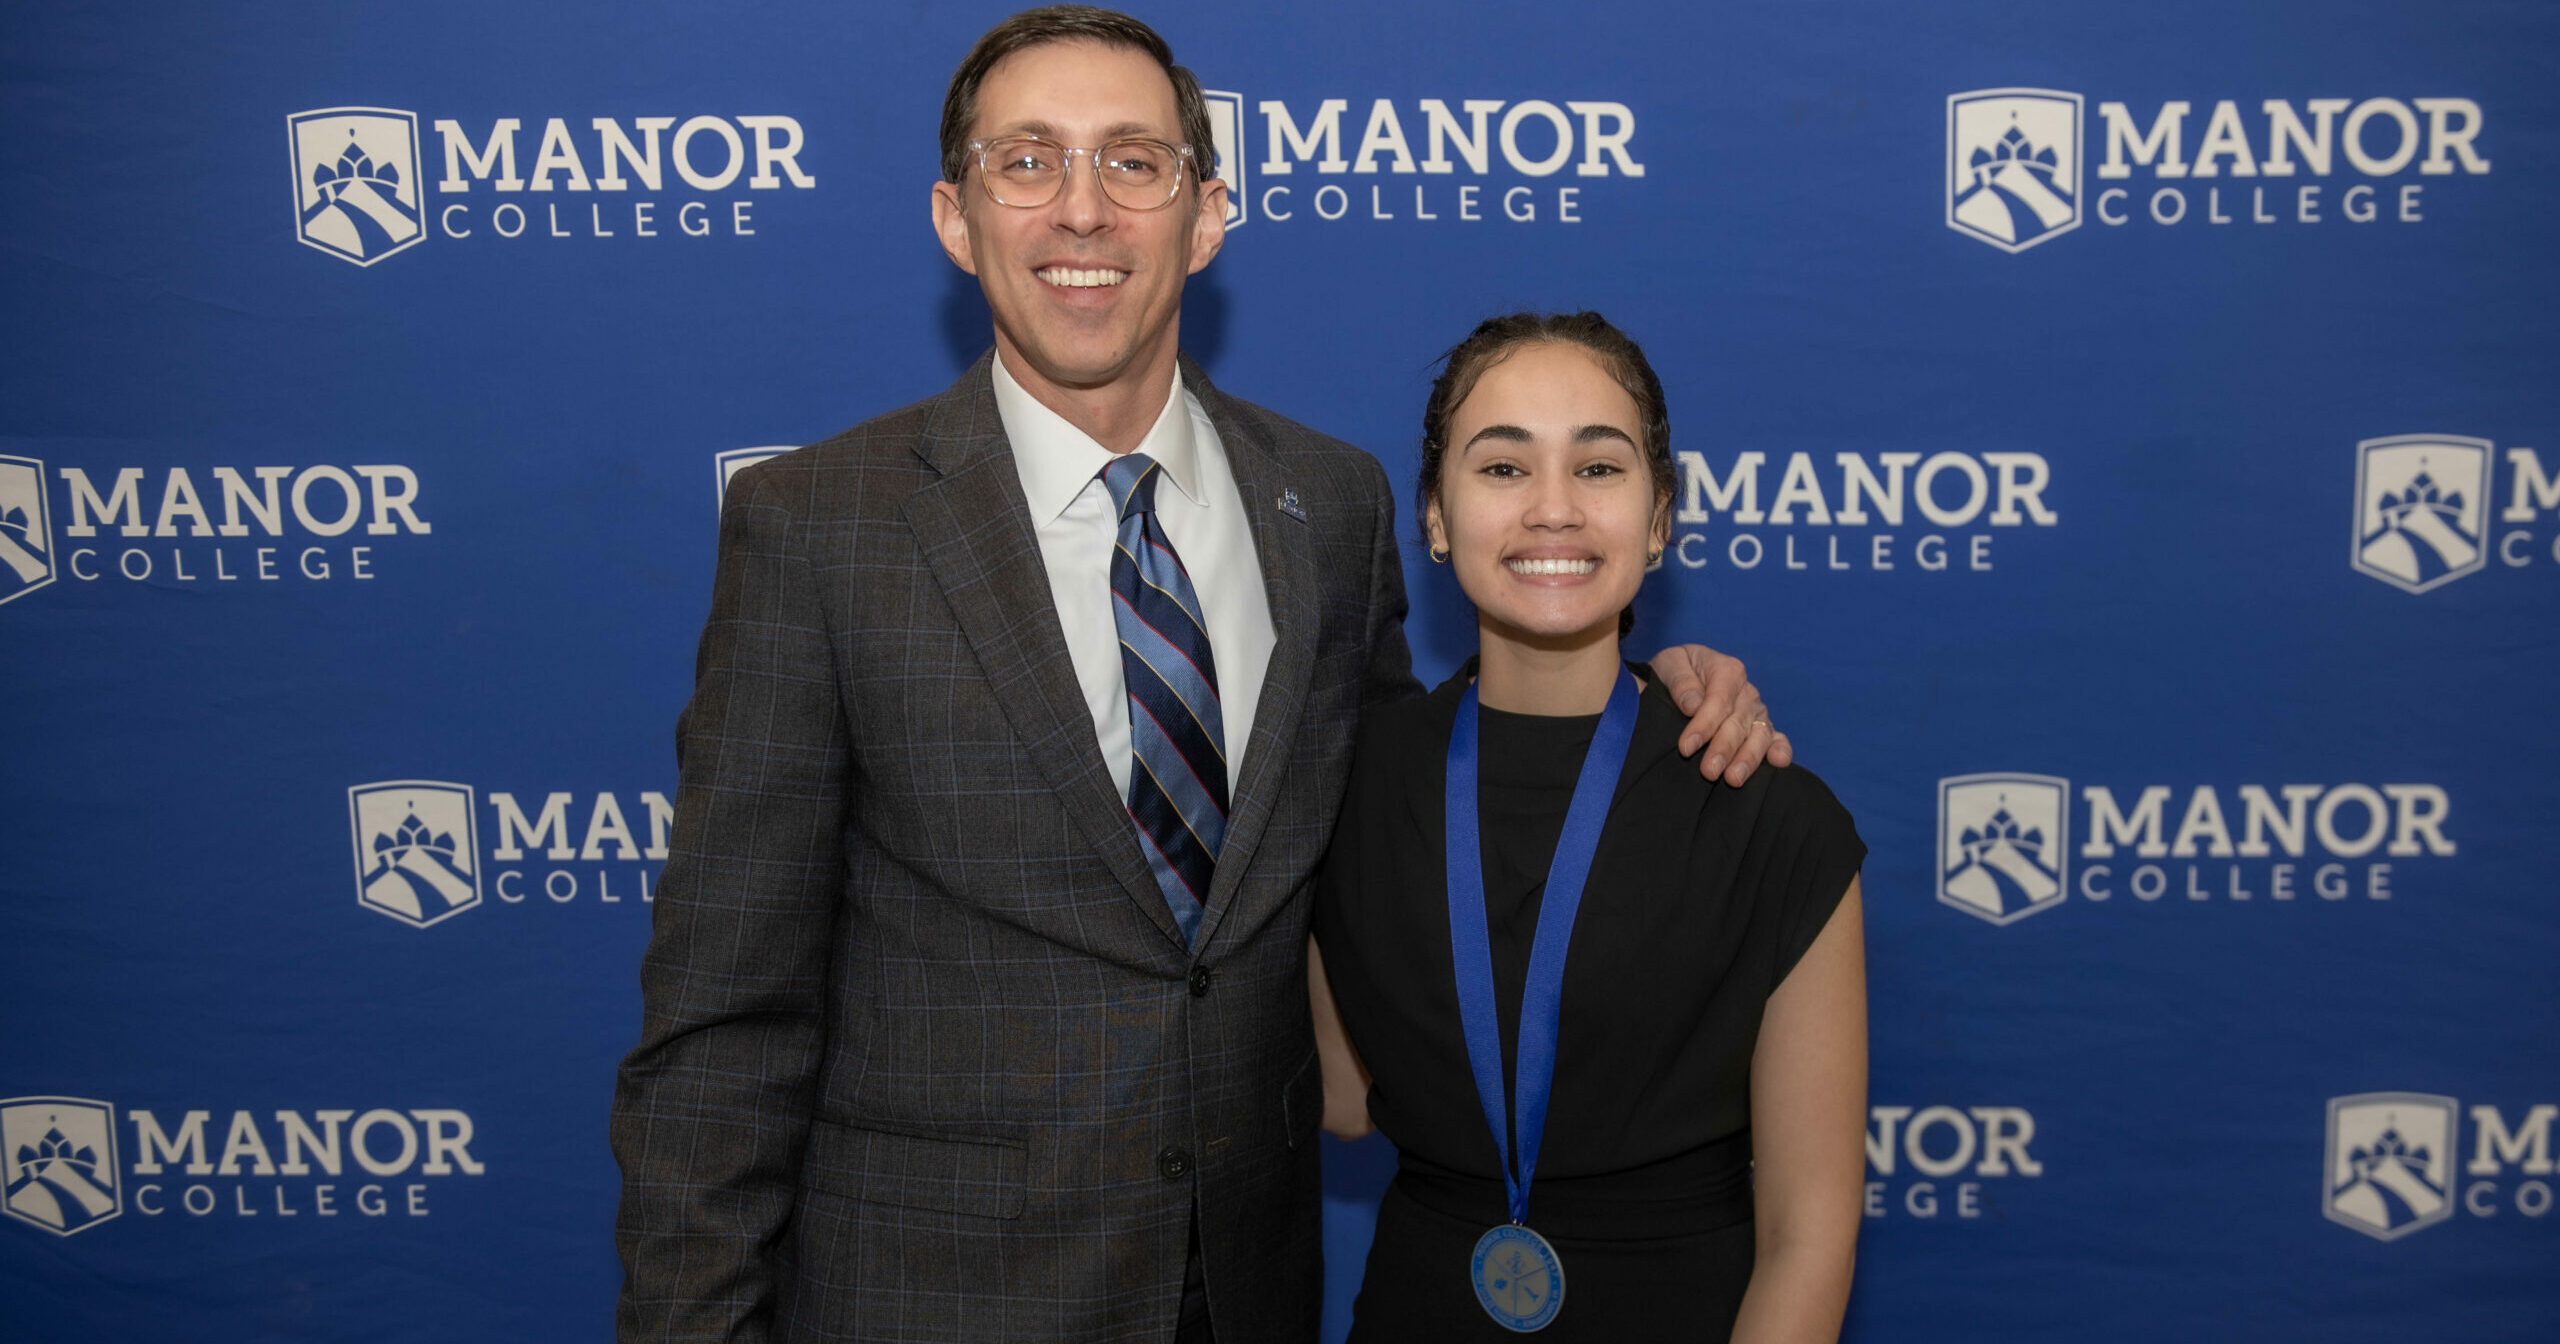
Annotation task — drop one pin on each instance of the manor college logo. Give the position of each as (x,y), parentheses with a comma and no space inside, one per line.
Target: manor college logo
(59,1155)
(2001,841)
(2013,165)
(26,533)
(2005,842)
(419,860)
(1226,134)
(355,181)
(2390,1162)
(416,849)
(2394,1162)
(1426,163)
(64,1174)
(359,184)
(2016,174)
(2421,509)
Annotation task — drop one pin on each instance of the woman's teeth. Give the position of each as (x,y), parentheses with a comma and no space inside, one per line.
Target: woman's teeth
(1553,566)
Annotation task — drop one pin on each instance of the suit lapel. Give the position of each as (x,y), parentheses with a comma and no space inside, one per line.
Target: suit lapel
(1285,544)
(973,528)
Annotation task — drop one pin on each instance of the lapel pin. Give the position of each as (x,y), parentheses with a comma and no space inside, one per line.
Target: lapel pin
(1290,506)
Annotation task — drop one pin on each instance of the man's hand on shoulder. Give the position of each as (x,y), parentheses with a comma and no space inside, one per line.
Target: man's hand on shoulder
(1726,716)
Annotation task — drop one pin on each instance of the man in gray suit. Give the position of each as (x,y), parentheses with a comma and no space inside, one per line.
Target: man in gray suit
(977,1006)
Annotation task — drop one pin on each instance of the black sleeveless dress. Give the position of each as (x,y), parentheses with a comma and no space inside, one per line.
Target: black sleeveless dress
(1701,899)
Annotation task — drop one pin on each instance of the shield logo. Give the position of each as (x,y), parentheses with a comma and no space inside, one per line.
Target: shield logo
(2001,844)
(356,181)
(26,531)
(58,1155)
(1226,130)
(417,848)
(2390,1162)
(2422,506)
(2013,165)
(736,460)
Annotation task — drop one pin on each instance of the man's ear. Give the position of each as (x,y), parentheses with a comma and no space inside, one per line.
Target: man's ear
(951,225)
(1209,227)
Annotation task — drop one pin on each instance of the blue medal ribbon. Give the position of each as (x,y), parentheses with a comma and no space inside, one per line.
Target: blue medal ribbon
(1542,996)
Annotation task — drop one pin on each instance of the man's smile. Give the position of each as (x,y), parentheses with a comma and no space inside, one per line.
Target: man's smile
(1069,277)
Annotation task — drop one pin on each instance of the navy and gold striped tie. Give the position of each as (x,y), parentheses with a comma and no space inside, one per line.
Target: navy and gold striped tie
(1177,737)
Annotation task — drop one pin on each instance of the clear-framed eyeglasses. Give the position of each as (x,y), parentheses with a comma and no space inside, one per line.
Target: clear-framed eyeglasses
(1026,170)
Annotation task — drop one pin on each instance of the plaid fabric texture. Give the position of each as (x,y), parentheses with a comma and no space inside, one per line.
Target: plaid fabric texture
(924,1055)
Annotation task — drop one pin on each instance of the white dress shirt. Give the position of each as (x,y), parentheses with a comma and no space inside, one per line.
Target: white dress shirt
(1203,516)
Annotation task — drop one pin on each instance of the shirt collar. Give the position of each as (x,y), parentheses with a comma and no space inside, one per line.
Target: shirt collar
(1056,460)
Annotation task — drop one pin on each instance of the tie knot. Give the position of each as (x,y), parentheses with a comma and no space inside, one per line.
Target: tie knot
(1131,479)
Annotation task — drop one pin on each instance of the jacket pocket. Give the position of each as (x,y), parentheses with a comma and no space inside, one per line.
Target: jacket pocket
(951,1173)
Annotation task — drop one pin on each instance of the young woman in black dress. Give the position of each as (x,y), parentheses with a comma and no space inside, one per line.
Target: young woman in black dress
(1680,1101)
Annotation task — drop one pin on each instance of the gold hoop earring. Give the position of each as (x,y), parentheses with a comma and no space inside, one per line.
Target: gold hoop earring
(1654,556)
(1439,555)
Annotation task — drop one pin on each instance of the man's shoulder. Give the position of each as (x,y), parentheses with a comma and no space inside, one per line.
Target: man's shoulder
(1297,445)
(948,410)
(884,445)
(889,438)
(1281,430)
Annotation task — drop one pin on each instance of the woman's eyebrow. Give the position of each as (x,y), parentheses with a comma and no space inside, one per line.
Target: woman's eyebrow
(1596,433)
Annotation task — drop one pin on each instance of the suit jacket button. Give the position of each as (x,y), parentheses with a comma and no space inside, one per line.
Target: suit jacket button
(1173,1164)
(1200,978)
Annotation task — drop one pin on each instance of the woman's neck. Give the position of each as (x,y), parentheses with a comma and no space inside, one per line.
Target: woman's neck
(1520,675)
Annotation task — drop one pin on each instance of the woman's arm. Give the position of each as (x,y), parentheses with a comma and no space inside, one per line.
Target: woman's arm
(1808,1138)
(1346,1079)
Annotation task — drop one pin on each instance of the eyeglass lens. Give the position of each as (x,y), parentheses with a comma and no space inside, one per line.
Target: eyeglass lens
(1137,174)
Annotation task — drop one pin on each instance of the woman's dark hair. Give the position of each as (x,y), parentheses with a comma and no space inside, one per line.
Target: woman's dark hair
(1070,23)
(1496,338)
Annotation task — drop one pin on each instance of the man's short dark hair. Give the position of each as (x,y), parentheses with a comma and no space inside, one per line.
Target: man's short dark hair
(1068,23)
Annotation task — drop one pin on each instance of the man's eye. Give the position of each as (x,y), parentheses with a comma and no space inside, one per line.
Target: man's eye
(1136,162)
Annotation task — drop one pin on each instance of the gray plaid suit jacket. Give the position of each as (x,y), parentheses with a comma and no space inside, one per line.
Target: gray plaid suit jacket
(923,1054)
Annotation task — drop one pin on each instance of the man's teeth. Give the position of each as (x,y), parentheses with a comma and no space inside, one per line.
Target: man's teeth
(1076,279)
(1553,566)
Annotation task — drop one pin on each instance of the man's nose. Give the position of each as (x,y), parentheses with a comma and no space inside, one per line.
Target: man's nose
(1081,206)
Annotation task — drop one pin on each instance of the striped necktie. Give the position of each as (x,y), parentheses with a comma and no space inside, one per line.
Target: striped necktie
(1177,736)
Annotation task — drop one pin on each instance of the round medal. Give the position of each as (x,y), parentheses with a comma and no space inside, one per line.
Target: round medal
(1519,1280)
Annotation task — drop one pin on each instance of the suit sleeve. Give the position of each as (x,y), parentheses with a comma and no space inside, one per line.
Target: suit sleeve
(1390,675)
(711,1110)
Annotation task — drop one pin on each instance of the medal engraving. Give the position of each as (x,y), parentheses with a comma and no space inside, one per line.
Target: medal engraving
(1519,1281)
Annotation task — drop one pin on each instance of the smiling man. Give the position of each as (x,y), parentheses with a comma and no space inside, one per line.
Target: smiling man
(976,1005)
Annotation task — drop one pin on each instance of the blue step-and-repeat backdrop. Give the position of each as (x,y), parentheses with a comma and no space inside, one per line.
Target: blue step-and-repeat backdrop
(2124,441)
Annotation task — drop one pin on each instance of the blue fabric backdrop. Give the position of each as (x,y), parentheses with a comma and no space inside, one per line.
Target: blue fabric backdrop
(2120,438)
